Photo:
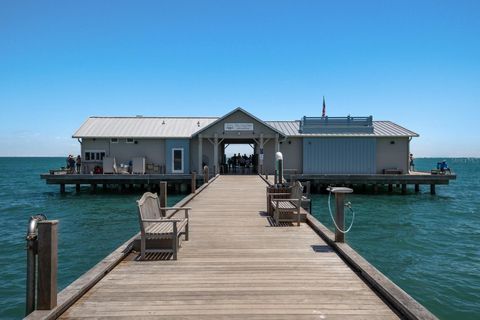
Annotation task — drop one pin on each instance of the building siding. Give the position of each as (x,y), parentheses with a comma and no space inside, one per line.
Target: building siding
(339,155)
(177,143)
(392,153)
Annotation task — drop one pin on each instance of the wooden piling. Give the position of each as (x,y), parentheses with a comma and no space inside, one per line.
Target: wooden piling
(93,187)
(417,187)
(194,182)
(163,196)
(404,188)
(105,187)
(375,188)
(390,187)
(62,188)
(77,187)
(47,264)
(432,189)
(205,174)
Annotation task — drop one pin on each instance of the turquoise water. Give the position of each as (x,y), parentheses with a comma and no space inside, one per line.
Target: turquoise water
(428,245)
(90,227)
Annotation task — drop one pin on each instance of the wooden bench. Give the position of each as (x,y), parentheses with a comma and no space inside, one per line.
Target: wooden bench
(153,226)
(287,209)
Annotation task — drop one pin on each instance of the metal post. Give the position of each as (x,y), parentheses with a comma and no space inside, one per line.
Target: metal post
(163,196)
(279,167)
(47,265)
(339,217)
(32,250)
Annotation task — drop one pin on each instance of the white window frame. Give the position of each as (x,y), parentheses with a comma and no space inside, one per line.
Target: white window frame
(173,160)
(93,152)
(127,140)
(111,140)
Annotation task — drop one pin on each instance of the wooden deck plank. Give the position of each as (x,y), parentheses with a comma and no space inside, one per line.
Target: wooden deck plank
(236,265)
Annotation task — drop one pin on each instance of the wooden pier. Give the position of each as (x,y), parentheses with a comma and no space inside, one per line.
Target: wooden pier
(237,265)
(371,182)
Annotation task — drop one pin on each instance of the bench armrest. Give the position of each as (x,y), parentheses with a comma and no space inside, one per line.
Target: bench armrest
(161,220)
(285,200)
(175,209)
(278,194)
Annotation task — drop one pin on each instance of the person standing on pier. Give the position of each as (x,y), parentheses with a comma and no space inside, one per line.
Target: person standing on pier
(78,163)
(412,164)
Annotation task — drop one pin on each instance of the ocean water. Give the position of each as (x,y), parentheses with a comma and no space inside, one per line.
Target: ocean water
(90,225)
(428,245)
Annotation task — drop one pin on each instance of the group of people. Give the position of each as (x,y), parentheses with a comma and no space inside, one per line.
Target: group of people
(442,166)
(74,165)
(239,161)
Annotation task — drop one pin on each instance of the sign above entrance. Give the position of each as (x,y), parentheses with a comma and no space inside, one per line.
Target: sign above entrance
(238,126)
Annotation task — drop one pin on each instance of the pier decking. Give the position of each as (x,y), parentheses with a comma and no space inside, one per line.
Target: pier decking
(235,266)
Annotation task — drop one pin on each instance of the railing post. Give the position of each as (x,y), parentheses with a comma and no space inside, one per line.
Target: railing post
(163,196)
(47,264)
(205,174)
(194,182)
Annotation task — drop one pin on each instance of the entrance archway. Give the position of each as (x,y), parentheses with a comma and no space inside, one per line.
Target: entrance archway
(239,156)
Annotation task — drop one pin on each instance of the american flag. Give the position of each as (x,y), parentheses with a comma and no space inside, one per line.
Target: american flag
(324,108)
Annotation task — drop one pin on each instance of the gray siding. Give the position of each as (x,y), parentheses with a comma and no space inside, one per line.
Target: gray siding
(292,150)
(392,155)
(152,149)
(269,157)
(339,155)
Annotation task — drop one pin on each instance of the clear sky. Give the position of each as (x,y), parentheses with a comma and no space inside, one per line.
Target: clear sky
(416,63)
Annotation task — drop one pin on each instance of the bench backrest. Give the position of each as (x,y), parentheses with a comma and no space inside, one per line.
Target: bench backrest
(297,190)
(148,208)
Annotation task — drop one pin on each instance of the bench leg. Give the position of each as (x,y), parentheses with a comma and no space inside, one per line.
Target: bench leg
(276,216)
(175,247)
(142,248)
(186,232)
(298,218)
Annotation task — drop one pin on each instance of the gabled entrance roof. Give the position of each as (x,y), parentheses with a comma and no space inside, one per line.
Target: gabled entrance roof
(280,133)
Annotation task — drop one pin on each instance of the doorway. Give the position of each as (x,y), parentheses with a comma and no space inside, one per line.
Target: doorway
(239,157)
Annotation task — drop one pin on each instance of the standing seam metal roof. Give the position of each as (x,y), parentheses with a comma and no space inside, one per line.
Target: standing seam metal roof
(141,127)
(178,127)
(380,129)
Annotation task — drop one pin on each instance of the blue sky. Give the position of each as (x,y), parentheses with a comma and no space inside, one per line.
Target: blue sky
(416,63)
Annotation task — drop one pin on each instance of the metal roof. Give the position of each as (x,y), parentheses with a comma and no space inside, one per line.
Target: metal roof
(141,127)
(183,127)
(380,129)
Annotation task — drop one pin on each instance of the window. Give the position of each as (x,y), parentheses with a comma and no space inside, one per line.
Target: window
(129,140)
(114,140)
(177,160)
(94,155)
